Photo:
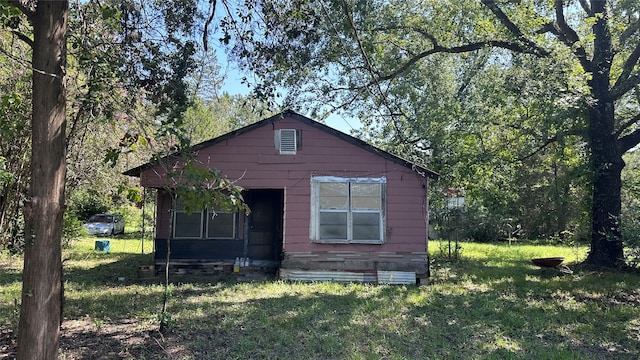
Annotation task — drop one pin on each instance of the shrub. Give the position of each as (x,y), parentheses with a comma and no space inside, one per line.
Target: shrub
(72,229)
(482,225)
(85,203)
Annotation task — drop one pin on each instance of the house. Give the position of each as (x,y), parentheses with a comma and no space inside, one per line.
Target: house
(324,206)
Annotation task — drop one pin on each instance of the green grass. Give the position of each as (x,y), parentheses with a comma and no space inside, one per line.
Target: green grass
(491,304)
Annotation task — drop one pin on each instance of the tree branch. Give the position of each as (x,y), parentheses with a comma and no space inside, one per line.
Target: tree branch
(454,50)
(514,29)
(22,37)
(570,38)
(626,81)
(550,141)
(627,142)
(205,33)
(626,34)
(15,58)
(586,7)
(25,10)
(548,28)
(627,124)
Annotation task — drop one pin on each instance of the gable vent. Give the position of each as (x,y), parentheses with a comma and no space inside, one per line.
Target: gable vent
(287,141)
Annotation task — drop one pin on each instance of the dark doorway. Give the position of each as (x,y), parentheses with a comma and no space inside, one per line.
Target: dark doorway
(265,224)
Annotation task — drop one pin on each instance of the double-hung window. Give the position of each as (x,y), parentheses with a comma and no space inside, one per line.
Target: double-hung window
(347,210)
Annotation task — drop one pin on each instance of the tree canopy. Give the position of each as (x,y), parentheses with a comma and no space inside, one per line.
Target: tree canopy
(475,80)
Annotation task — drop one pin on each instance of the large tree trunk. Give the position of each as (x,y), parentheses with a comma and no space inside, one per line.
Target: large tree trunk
(39,327)
(606,237)
(606,155)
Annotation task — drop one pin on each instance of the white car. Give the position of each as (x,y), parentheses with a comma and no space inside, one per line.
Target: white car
(105,224)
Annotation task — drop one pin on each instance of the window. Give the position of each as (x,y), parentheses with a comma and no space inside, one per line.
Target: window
(221,225)
(214,224)
(347,210)
(288,141)
(186,226)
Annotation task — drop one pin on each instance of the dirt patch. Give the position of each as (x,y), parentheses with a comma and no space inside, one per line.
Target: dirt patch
(87,339)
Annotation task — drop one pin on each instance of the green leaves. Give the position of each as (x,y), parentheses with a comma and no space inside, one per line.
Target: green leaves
(9,15)
(199,187)
(5,176)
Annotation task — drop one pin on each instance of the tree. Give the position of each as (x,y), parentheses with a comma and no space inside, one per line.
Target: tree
(157,54)
(352,55)
(41,278)
(205,120)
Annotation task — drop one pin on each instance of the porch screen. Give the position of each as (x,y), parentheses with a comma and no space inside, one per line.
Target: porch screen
(348,210)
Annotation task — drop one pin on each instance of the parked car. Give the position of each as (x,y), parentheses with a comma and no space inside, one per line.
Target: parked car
(105,224)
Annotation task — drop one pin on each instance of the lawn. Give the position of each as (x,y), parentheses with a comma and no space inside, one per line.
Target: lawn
(491,304)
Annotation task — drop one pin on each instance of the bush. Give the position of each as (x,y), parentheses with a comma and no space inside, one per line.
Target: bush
(482,225)
(72,229)
(85,203)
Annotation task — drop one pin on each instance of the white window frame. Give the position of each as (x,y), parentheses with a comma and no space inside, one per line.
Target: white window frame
(315,209)
(234,216)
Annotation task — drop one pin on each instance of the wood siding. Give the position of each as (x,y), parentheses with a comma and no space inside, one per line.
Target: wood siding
(251,159)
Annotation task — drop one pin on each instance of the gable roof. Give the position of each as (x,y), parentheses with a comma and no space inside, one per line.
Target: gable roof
(303,119)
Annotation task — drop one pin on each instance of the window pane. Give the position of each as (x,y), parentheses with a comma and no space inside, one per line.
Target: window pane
(221,225)
(365,196)
(333,225)
(188,226)
(366,226)
(334,195)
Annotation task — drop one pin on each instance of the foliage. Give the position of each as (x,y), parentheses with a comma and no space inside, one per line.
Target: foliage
(485,225)
(72,229)
(15,107)
(5,176)
(207,119)
(631,208)
(85,203)
(199,187)
(504,97)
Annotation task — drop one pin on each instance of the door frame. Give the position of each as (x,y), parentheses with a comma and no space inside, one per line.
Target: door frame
(276,198)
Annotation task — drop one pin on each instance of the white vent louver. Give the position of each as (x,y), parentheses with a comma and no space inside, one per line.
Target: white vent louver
(286,141)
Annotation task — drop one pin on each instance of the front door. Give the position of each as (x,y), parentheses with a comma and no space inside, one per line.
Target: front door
(265,224)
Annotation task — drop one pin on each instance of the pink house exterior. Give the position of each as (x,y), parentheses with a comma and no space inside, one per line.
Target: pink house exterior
(324,205)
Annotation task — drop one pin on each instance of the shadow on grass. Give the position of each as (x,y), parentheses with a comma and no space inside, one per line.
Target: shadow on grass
(107,285)
(355,321)
(94,268)
(9,276)
(473,309)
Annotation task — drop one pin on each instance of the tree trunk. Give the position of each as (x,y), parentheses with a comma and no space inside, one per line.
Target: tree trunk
(606,155)
(606,237)
(39,327)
